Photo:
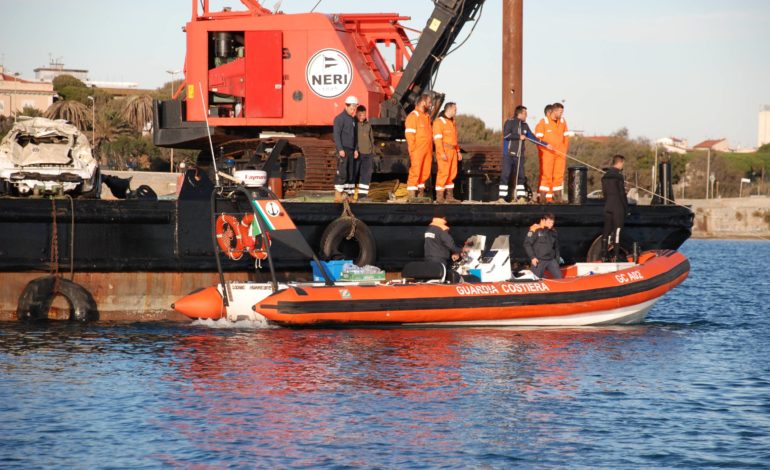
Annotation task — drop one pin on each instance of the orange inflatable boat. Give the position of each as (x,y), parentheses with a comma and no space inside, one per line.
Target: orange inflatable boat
(621,296)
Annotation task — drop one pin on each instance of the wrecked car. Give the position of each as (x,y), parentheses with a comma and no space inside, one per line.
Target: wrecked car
(41,157)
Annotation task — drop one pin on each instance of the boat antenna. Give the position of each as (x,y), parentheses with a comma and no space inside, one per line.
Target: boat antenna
(208,133)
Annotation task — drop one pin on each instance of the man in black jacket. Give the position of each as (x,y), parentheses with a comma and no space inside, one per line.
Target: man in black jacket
(542,247)
(345,142)
(439,246)
(615,206)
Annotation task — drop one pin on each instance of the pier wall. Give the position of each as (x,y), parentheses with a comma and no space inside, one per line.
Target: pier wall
(747,217)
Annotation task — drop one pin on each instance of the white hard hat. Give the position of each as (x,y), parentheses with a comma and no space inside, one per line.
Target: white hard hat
(351,100)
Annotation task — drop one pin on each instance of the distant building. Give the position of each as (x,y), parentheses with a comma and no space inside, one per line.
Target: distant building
(597,138)
(718,145)
(56,68)
(673,144)
(764,126)
(16,94)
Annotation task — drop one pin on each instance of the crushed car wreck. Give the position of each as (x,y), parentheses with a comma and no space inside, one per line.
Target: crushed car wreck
(41,156)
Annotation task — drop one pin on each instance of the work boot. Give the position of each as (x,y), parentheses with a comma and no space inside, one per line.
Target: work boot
(421,193)
(502,201)
(521,200)
(411,195)
(541,198)
(338,196)
(440,197)
(557,197)
(450,197)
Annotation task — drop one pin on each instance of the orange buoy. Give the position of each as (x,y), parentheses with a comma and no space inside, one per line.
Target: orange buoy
(228,231)
(202,303)
(254,245)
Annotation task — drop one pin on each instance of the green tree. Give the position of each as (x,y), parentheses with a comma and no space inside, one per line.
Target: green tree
(29,111)
(473,130)
(72,89)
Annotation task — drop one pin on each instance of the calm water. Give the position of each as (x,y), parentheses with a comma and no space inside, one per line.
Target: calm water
(689,389)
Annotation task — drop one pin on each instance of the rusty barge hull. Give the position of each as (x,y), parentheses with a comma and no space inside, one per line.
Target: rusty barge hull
(136,257)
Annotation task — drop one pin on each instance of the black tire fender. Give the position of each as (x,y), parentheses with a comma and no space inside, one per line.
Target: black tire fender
(337,231)
(35,301)
(595,251)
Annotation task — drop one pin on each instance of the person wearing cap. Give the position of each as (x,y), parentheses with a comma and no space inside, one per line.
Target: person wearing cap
(419,139)
(439,246)
(345,143)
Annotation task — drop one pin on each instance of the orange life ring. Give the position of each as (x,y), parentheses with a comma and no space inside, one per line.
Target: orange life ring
(228,230)
(255,246)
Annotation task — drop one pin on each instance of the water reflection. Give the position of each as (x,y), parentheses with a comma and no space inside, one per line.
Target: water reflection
(293,389)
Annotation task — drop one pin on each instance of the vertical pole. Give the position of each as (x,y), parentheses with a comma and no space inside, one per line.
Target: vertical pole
(654,169)
(708,172)
(171,162)
(513,11)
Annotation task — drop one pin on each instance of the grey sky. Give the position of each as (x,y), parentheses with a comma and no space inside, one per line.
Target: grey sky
(691,68)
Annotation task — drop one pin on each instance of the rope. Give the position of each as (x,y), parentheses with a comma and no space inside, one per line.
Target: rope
(558,152)
(348,212)
(633,185)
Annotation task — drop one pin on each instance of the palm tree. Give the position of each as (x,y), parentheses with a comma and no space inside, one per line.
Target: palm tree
(138,111)
(73,111)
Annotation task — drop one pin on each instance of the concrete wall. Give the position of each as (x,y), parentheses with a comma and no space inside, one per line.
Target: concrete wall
(747,217)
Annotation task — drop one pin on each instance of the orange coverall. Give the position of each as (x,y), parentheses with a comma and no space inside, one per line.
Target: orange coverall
(419,138)
(445,140)
(552,162)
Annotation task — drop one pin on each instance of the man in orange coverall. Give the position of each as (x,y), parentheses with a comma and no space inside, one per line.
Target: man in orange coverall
(553,130)
(447,153)
(419,138)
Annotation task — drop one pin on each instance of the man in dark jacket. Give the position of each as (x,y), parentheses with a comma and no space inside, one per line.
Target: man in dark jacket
(615,206)
(515,132)
(364,161)
(345,141)
(439,245)
(542,247)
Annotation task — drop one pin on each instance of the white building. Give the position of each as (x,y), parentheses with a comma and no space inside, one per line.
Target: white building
(764,126)
(56,68)
(673,144)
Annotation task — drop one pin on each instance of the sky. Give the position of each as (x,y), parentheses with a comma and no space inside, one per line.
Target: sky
(693,69)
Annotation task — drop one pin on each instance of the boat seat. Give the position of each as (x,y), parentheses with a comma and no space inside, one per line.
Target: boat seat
(424,271)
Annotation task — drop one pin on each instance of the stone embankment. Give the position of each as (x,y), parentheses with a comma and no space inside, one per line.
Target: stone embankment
(746,217)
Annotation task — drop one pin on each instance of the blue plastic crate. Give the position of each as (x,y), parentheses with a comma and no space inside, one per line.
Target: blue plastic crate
(334,268)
